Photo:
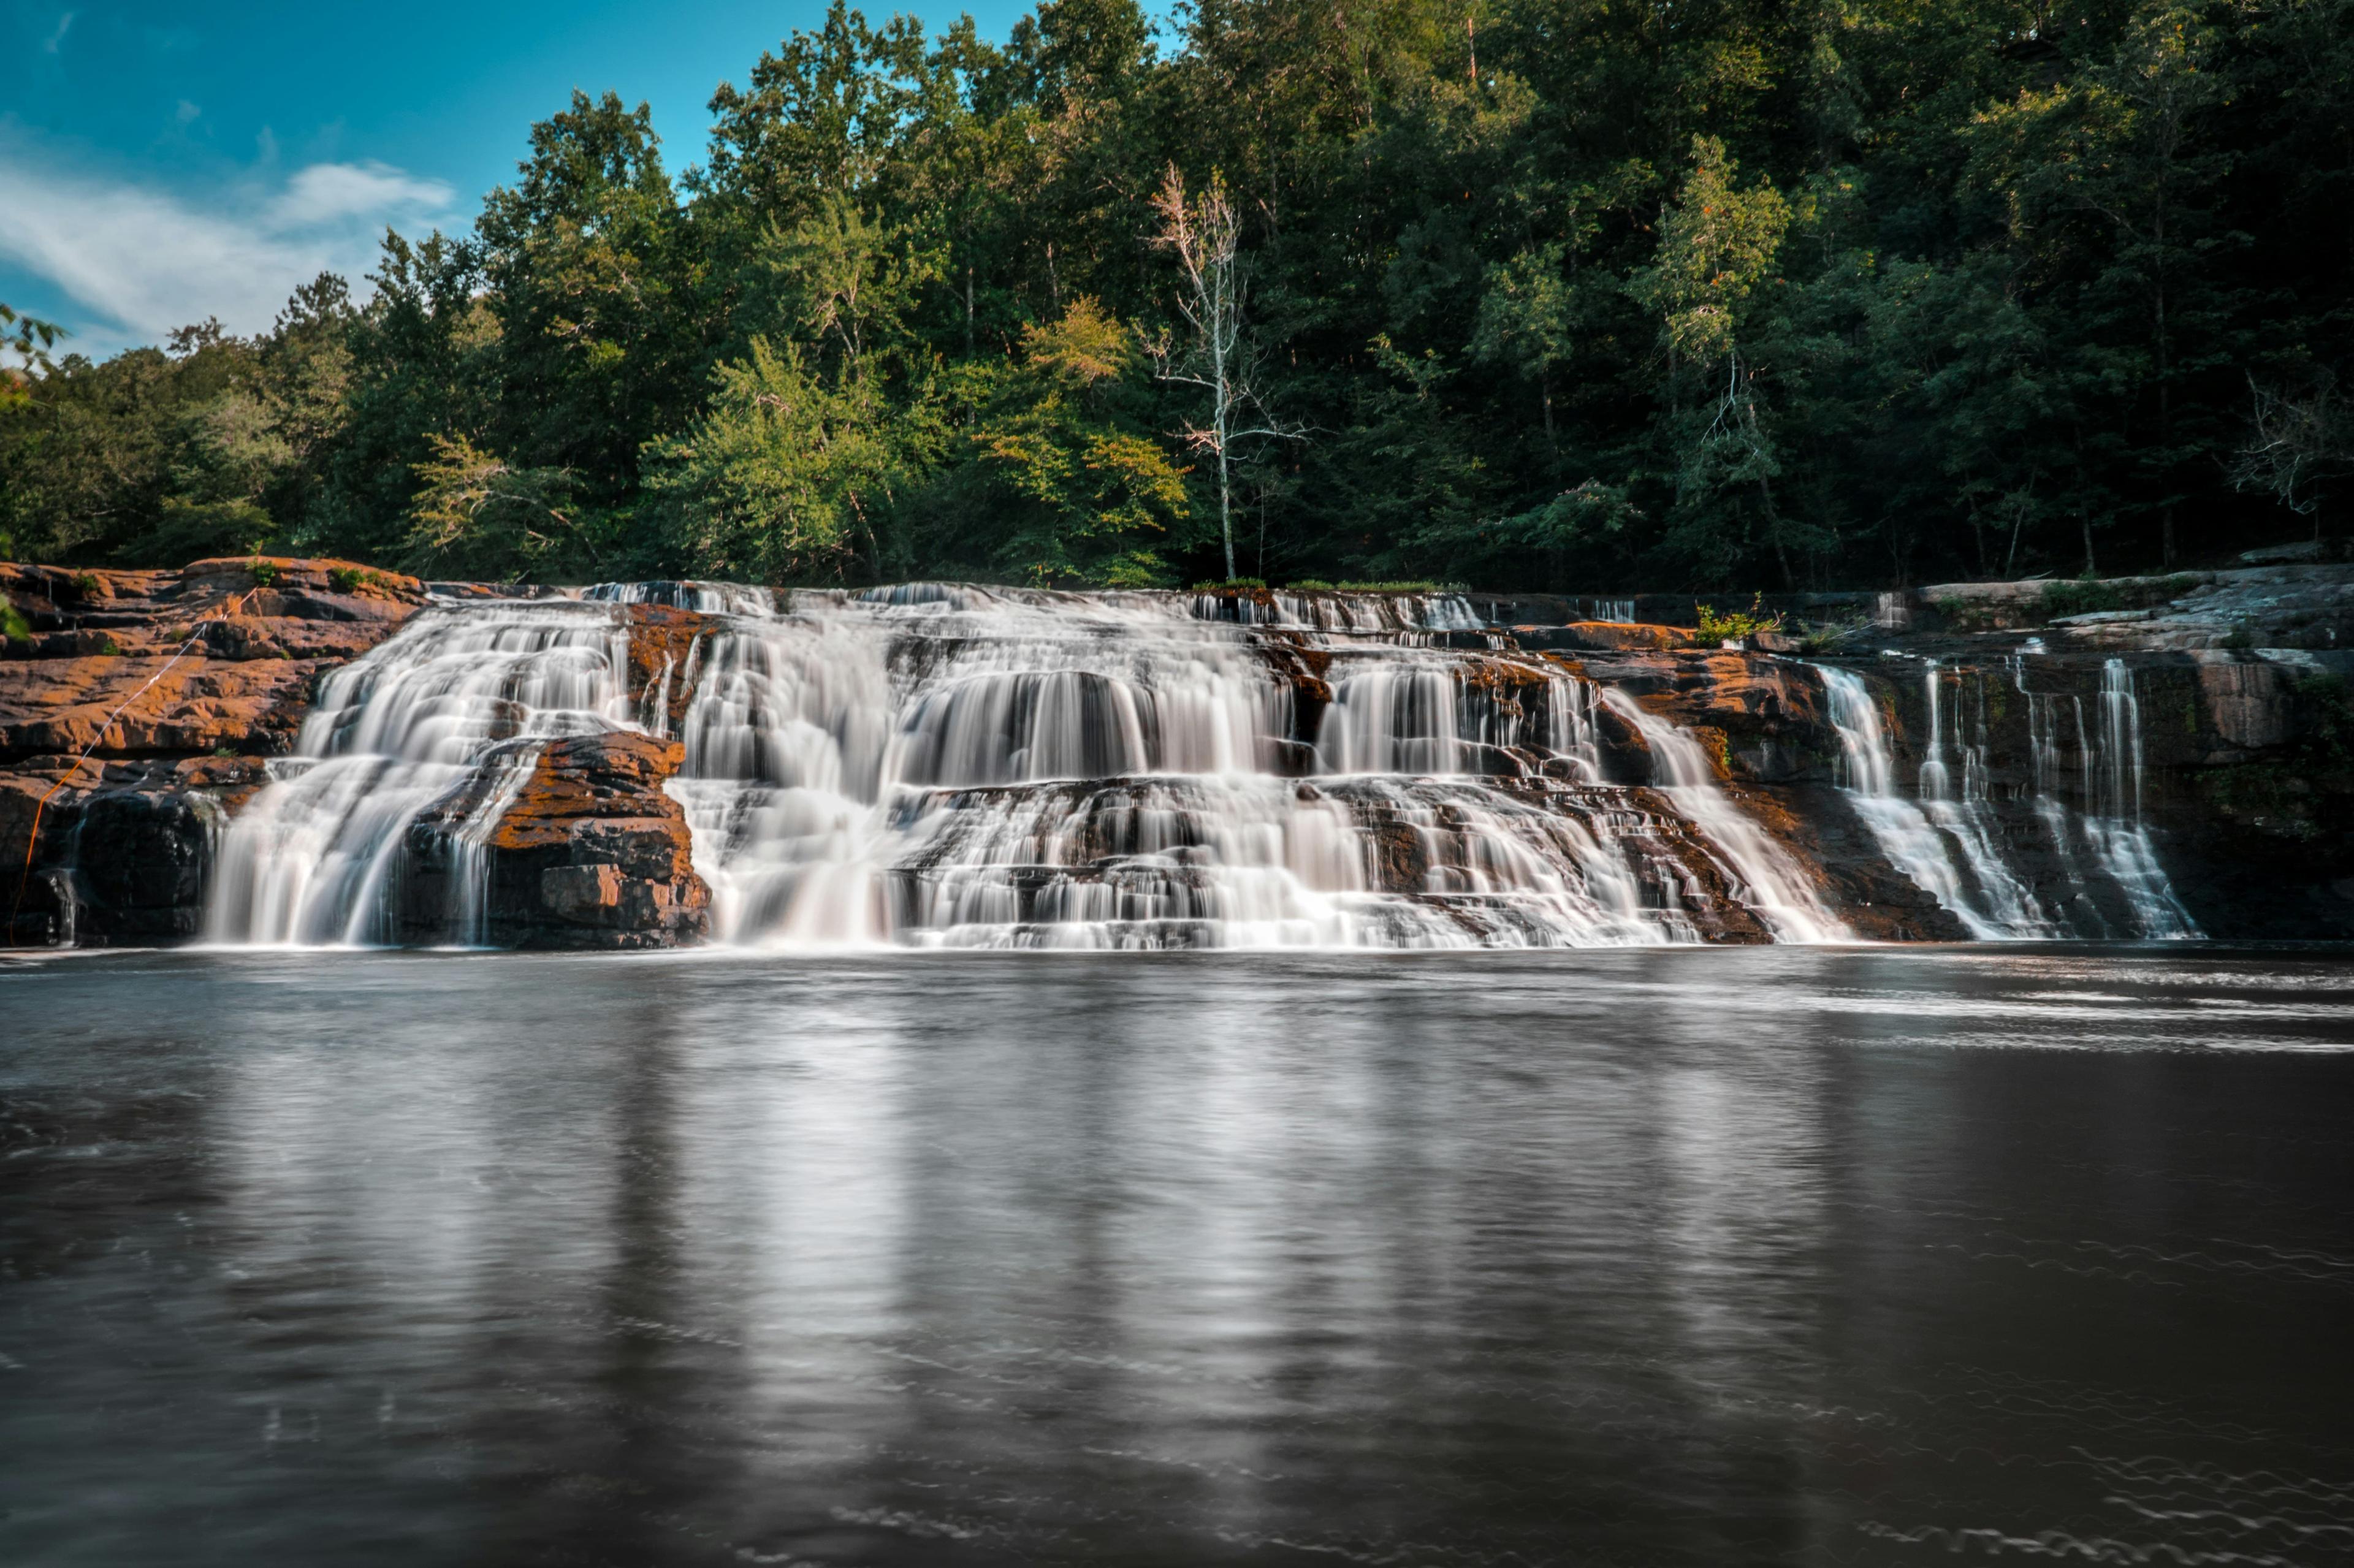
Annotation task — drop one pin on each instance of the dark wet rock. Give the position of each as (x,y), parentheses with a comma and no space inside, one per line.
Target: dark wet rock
(1604,637)
(662,641)
(173,685)
(592,854)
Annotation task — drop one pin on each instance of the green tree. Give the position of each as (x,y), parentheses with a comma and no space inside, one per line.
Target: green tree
(1083,491)
(783,476)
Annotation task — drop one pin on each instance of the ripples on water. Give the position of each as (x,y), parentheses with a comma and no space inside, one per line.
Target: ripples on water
(1760,1255)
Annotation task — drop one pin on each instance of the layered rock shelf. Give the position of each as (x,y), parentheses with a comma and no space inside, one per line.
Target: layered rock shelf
(141,713)
(2136,758)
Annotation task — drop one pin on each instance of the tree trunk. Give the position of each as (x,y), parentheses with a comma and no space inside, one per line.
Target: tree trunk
(1774,531)
(1225,512)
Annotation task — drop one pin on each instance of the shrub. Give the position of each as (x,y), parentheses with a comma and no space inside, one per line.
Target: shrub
(2081,597)
(1229,583)
(13,627)
(1715,628)
(86,584)
(265,573)
(348,579)
(2085,596)
(1416,586)
(1821,636)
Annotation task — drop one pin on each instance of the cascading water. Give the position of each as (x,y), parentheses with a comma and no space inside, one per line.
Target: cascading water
(1950,842)
(2106,840)
(711,599)
(1949,845)
(951,764)
(2119,840)
(964,767)
(1965,817)
(315,858)
(1766,877)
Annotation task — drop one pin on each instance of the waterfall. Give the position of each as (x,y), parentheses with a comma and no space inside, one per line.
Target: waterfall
(711,599)
(941,765)
(1968,820)
(2119,840)
(470,844)
(1393,718)
(951,764)
(316,856)
(2106,841)
(1923,839)
(1766,878)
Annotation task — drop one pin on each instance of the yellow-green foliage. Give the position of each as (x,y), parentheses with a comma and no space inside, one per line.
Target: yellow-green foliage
(1086,492)
(1715,628)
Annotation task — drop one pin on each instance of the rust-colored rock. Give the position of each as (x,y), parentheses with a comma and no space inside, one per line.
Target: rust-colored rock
(1605,637)
(592,854)
(175,683)
(662,638)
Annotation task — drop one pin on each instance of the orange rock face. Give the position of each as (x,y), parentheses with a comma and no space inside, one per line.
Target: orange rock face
(175,685)
(663,638)
(1608,636)
(592,854)
(210,659)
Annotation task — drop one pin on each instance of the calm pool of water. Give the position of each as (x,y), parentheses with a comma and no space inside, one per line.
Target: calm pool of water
(1719,1256)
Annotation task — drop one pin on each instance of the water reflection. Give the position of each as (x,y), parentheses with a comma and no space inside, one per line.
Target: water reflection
(1764,1256)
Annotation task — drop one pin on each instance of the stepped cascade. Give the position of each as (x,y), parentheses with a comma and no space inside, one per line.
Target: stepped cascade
(315,857)
(969,766)
(953,765)
(1946,846)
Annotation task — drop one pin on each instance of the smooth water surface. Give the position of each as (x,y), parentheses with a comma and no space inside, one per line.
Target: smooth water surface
(1652,1257)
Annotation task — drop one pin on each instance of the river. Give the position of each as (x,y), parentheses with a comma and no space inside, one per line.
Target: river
(1646,1256)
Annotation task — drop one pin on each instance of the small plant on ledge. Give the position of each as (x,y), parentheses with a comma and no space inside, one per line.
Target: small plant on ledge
(1734,624)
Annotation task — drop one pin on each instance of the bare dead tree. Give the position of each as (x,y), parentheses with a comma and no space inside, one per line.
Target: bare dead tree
(2295,445)
(1205,234)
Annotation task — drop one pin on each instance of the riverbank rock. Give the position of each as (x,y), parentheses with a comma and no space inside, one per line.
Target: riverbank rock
(588,851)
(177,685)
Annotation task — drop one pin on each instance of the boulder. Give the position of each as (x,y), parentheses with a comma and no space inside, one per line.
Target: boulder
(593,854)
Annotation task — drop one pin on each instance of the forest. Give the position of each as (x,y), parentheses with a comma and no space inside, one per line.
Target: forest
(1567,295)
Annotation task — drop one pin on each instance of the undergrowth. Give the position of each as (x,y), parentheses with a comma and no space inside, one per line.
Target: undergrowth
(1737,623)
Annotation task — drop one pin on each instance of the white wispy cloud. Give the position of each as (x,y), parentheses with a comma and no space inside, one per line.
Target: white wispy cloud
(142,260)
(325,193)
(56,40)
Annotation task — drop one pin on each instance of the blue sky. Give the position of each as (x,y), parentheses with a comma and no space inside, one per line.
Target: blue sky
(161,163)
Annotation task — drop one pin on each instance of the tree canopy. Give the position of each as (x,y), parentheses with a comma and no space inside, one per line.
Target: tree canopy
(1542,294)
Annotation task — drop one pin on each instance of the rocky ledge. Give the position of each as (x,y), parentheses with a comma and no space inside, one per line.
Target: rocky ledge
(588,851)
(139,710)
